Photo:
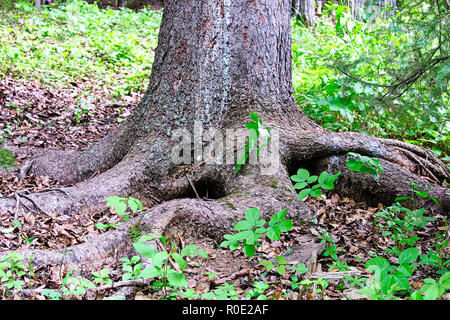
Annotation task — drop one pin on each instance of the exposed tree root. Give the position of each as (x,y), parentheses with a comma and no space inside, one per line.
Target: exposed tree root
(310,146)
(208,200)
(204,218)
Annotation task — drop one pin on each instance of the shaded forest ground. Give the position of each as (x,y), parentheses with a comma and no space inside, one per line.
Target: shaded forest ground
(47,121)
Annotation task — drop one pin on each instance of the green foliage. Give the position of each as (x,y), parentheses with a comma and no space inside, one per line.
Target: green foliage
(398,223)
(331,250)
(364,164)
(120,205)
(304,183)
(257,131)
(7,159)
(280,267)
(251,230)
(102,276)
(437,257)
(224,292)
(76,286)
(389,279)
(6,4)
(421,193)
(330,60)
(77,41)
(132,267)
(309,285)
(12,271)
(160,270)
(432,289)
(258,291)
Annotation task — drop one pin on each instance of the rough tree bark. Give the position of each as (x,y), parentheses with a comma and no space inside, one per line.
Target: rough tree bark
(215,62)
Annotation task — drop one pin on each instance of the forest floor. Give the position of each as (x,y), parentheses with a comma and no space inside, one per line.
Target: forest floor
(43,117)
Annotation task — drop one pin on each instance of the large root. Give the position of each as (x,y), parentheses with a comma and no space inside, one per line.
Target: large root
(402,163)
(306,146)
(156,181)
(211,218)
(221,197)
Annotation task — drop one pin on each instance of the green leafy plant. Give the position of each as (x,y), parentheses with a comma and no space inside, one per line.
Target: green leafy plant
(389,280)
(258,291)
(226,291)
(52,294)
(251,230)
(120,205)
(160,270)
(102,276)
(304,182)
(257,130)
(189,294)
(132,267)
(399,223)
(314,286)
(432,289)
(422,193)
(280,265)
(437,257)
(7,159)
(76,286)
(331,250)
(364,164)
(12,271)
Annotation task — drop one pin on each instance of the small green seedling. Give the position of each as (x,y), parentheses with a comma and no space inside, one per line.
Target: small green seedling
(256,131)
(251,230)
(304,182)
(388,280)
(258,290)
(160,269)
(364,164)
(120,205)
(280,265)
(432,289)
(102,276)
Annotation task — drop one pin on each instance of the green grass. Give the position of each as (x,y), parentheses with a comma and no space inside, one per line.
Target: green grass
(77,42)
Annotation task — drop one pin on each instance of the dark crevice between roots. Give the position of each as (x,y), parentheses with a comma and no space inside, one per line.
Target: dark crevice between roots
(206,188)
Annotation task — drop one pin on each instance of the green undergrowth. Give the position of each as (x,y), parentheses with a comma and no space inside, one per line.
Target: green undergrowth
(339,103)
(78,42)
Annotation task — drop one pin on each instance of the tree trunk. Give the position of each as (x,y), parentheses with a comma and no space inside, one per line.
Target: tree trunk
(305,9)
(215,62)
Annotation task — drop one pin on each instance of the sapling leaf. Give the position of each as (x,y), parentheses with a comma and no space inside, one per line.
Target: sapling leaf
(249,250)
(159,258)
(254,117)
(274,233)
(277,217)
(179,260)
(286,225)
(408,256)
(303,194)
(267,264)
(300,185)
(281,269)
(303,174)
(149,273)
